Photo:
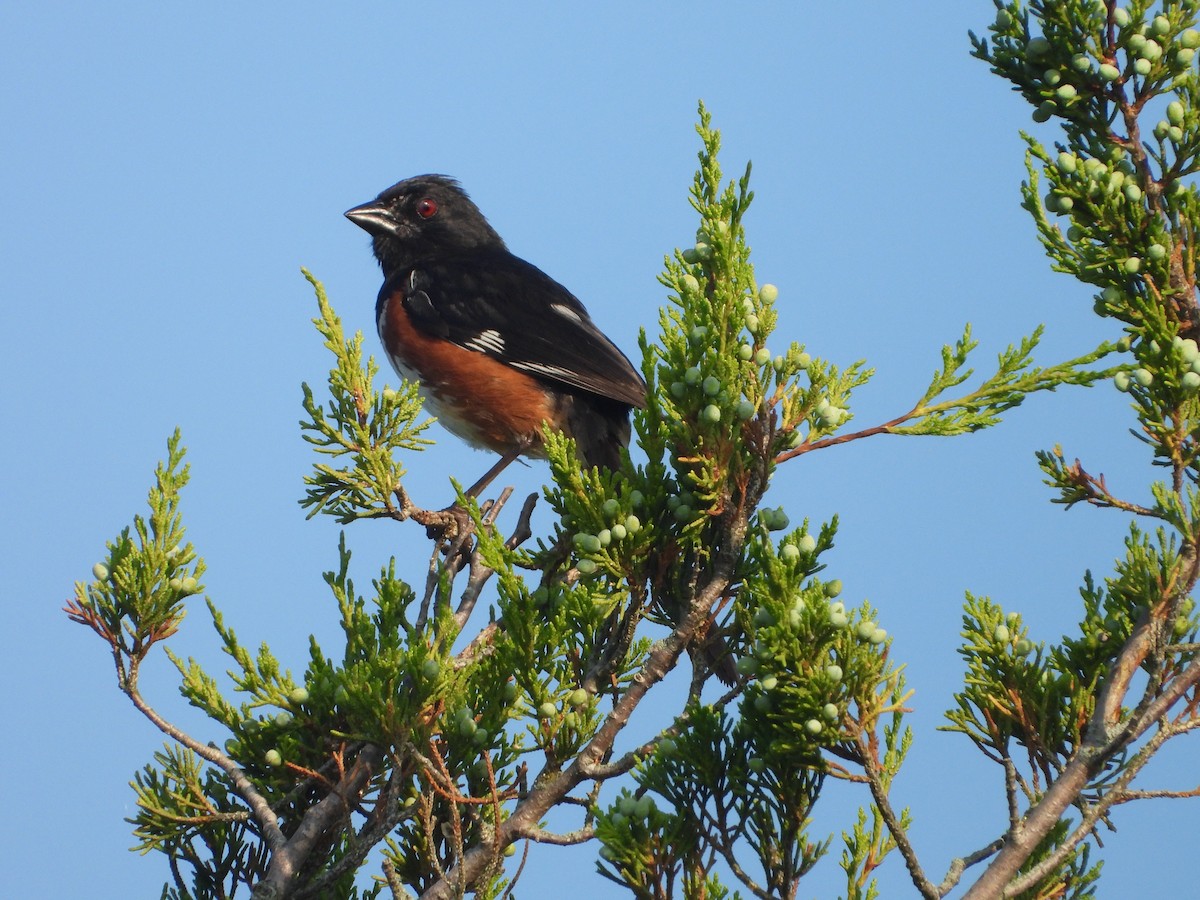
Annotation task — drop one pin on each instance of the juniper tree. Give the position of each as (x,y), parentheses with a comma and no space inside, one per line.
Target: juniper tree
(465,706)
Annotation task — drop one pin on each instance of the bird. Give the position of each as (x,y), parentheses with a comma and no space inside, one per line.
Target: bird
(496,345)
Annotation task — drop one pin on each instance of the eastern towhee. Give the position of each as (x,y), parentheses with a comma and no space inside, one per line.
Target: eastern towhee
(497,345)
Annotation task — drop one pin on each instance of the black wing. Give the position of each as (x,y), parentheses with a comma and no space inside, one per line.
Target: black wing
(495,303)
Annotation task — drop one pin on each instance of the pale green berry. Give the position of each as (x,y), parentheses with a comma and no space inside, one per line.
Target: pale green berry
(1190,39)
(1001,634)
(1189,350)
(1132,265)
(1120,16)
(1175,134)
(690,283)
(1075,233)
(1045,111)
(747,665)
(637,498)
(389,395)
(618,532)
(702,250)
(189,585)
(1142,66)
(878,636)
(1065,92)
(833,588)
(610,507)
(1022,647)
(813,727)
(1190,381)
(711,386)
(1143,377)
(865,629)
(1156,251)
(711,414)
(683,513)
(745,409)
(830,712)
(769,683)
(298,695)
(1184,57)
(789,553)
(1152,51)
(779,521)
(807,543)
(678,389)
(586,566)
(689,255)
(667,746)
(1036,47)
(763,356)
(752,324)
(1160,25)
(273,758)
(1133,193)
(633,524)
(777,363)
(1175,112)
(804,360)
(768,293)
(1136,42)
(745,352)
(283,719)
(588,543)
(1051,77)
(1067,163)
(1109,72)
(699,333)
(1080,62)
(100,571)
(838,619)
(834,673)
(578,697)
(1111,294)
(547,710)
(692,375)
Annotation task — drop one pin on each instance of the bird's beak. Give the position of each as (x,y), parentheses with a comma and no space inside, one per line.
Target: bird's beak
(372,218)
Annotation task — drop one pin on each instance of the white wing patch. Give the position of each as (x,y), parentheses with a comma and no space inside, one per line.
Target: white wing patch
(489,341)
(544,369)
(566,312)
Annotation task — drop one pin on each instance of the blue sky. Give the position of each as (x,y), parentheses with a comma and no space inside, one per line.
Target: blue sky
(168,170)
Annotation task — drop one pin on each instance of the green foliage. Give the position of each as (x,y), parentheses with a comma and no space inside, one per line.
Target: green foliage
(366,425)
(445,741)
(140,586)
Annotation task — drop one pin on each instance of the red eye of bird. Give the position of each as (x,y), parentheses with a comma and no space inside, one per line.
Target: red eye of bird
(427,208)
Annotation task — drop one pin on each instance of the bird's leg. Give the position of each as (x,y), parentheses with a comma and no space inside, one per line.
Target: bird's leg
(490,475)
(453,523)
